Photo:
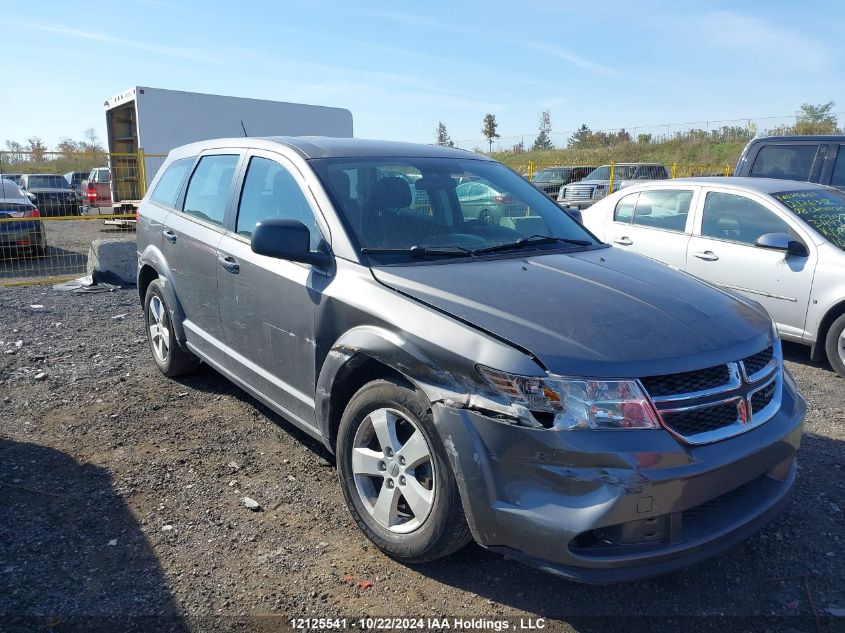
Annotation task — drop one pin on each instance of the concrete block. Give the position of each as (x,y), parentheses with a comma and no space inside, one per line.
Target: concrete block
(116,256)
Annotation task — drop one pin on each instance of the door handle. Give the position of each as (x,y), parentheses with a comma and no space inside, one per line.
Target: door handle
(624,241)
(708,256)
(169,235)
(229,263)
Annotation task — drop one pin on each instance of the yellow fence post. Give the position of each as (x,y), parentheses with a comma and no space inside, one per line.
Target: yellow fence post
(674,170)
(142,172)
(610,186)
(727,169)
(530,170)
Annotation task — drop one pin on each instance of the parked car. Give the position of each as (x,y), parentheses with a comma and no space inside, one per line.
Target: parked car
(551,179)
(98,189)
(479,200)
(779,242)
(20,229)
(571,405)
(15,178)
(51,193)
(596,184)
(819,159)
(75,179)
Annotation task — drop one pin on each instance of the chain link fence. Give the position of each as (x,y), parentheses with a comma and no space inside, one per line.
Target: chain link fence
(63,202)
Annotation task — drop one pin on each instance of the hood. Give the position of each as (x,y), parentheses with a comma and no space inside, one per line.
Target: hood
(602,313)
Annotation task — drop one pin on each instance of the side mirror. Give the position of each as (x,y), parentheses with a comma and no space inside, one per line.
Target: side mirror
(575,214)
(782,242)
(285,239)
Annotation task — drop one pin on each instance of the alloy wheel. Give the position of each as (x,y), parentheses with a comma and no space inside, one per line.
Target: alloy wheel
(159,330)
(841,346)
(393,470)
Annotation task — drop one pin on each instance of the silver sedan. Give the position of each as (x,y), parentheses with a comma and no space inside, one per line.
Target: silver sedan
(780,242)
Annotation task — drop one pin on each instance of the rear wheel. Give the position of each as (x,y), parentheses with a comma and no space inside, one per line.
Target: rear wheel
(171,359)
(396,477)
(835,345)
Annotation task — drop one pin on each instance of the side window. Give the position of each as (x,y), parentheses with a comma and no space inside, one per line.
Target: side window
(837,179)
(731,217)
(667,209)
(625,208)
(168,186)
(271,192)
(208,190)
(792,162)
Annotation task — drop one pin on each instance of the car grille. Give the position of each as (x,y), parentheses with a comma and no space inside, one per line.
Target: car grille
(717,402)
(758,362)
(687,382)
(578,192)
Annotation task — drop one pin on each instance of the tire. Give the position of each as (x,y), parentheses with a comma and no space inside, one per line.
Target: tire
(172,360)
(835,345)
(417,536)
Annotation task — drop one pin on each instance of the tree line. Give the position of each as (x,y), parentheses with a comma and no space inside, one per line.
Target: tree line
(810,119)
(35,150)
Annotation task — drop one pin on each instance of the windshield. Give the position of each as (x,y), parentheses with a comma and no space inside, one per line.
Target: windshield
(47,182)
(451,204)
(822,209)
(620,172)
(8,189)
(550,174)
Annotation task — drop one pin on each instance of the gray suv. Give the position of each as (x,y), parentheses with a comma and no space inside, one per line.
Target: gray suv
(582,409)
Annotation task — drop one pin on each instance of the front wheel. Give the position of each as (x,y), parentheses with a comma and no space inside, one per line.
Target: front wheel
(395,475)
(835,345)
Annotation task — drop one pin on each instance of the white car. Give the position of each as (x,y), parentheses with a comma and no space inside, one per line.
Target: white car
(780,242)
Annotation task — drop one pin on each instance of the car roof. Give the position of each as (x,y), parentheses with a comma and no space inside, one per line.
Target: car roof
(792,139)
(311,147)
(763,185)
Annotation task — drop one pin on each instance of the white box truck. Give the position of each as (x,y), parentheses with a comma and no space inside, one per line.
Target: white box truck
(156,120)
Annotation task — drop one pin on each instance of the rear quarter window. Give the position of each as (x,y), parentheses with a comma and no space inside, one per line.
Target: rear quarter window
(624,211)
(167,188)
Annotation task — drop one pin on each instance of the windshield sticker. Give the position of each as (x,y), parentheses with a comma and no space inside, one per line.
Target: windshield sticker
(824,211)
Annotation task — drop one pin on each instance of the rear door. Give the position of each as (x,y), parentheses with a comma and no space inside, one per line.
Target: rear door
(722,251)
(268,305)
(654,222)
(190,242)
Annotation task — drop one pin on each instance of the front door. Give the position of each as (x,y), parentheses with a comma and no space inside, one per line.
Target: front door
(723,252)
(268,305)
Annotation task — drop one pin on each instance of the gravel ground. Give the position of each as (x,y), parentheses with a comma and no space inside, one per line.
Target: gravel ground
(121,497)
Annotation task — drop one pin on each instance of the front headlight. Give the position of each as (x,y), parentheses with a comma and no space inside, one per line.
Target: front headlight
(575,403)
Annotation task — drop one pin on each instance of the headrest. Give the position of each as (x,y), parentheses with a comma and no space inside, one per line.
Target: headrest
(391,193)
(643,209)
(340,182)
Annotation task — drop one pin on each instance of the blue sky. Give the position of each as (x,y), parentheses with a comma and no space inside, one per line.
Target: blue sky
(401,67)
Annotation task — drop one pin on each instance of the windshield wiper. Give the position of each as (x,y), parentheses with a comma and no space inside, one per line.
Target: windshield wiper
(533,240)
(421,251)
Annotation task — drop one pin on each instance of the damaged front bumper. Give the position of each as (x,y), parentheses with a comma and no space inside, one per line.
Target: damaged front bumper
(612,506)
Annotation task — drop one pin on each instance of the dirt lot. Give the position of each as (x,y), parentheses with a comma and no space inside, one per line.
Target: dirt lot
(121,497)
